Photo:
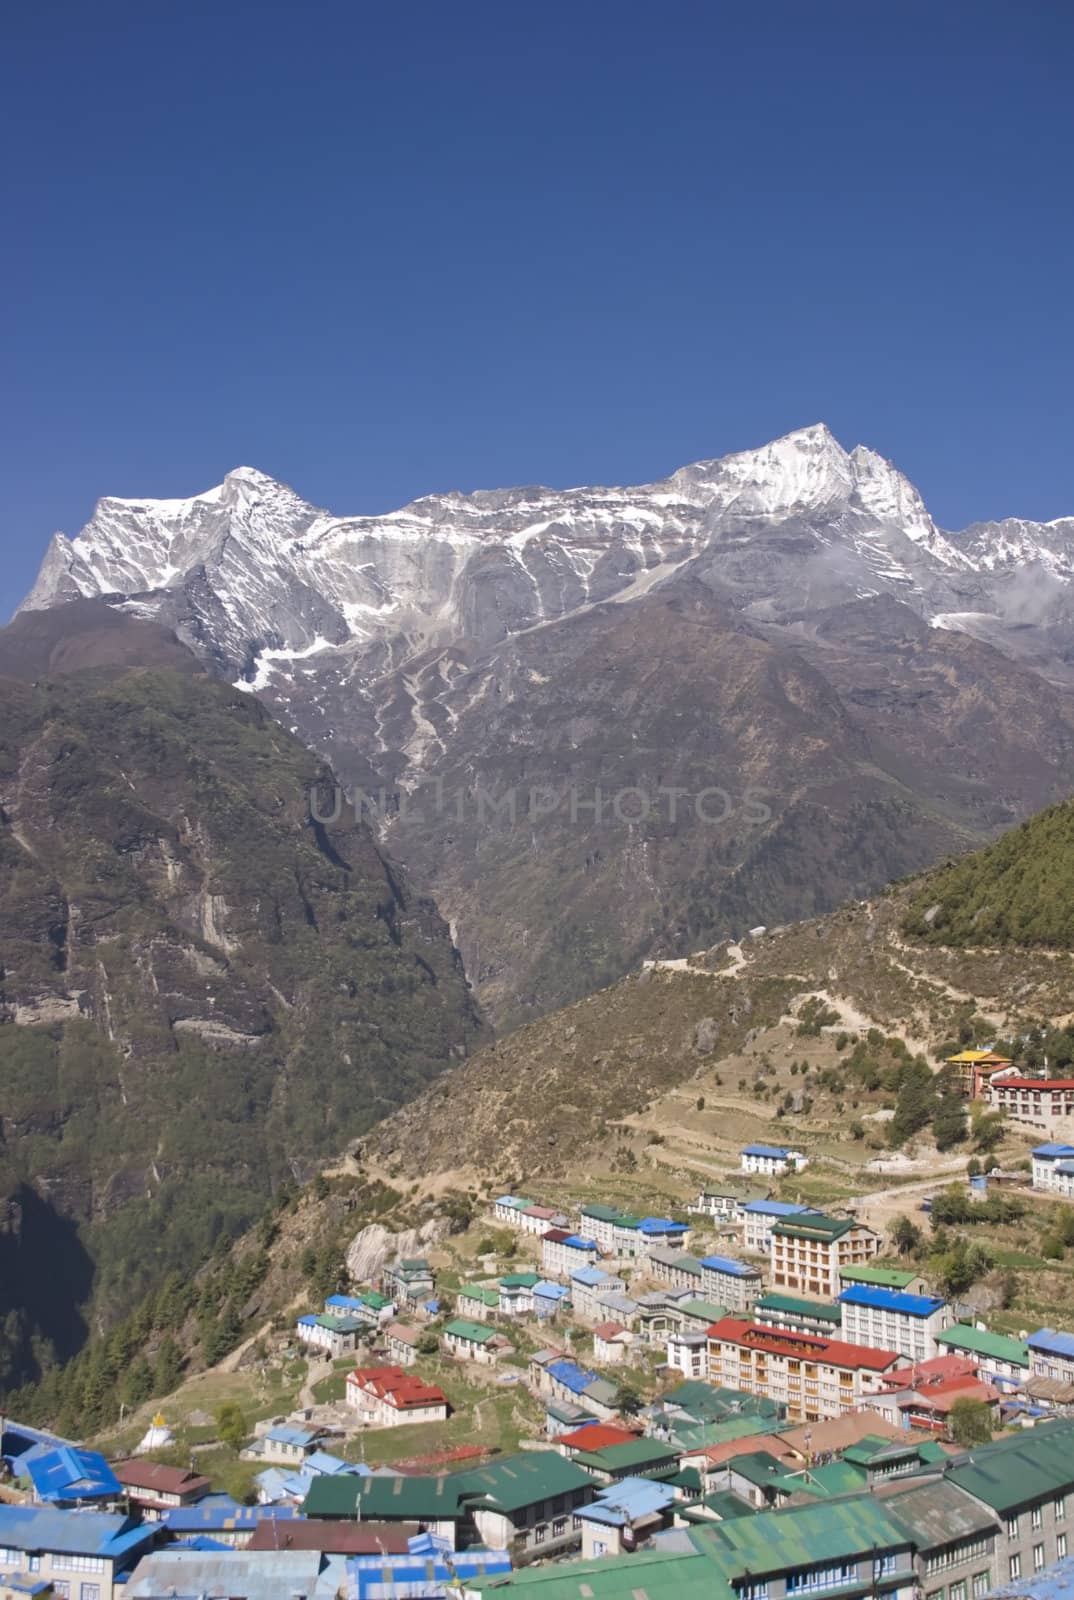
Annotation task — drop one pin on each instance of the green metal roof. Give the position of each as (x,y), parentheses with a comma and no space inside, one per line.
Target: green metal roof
(727,1504)
(600,1213)
(475,1332)
(821,1483)
(648,1574)
(1021,1470)
(983,1343)
(478,1291)
(801,1536)
(757,1466)
(880,1277)
(698,1435)
(800,1308)
(376,1499)
(520,1280)
(636,1454)
(522,1480)
(702,1308)
(814,1225)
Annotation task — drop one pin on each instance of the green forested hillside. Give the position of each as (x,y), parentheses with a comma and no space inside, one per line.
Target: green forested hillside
(1019,890)
(201,991)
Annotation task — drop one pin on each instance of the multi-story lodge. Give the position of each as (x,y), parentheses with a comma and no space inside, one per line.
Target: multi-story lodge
(889,1320)
(814,1377)
(1042,1102)
(808,1252)
(772,1160)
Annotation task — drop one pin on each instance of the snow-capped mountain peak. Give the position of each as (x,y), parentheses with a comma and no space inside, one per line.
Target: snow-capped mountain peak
(249,568)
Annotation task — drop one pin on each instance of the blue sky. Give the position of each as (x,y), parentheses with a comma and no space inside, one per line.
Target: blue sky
(380,249)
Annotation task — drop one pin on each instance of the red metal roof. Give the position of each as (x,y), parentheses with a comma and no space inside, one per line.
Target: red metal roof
(608,1330)
(598,1436)
(398,1387)
(803,1346)
(154,1476)
(1039,1085)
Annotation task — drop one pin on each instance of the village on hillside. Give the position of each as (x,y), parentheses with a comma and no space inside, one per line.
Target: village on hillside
(756,1395)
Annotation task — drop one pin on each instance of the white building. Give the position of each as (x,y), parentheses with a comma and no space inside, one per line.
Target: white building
(884,1319)
(759,1217)
(773,1160)
(1053,1168)
(1051,1355)
(563,1253)
(1042,1102)
(611,1343)
(387,1397)
(688,1353)
(333,1336)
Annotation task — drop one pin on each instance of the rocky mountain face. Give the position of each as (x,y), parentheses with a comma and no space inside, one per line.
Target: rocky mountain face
(786,682)
(201,991)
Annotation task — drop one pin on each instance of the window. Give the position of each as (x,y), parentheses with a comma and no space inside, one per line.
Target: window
(34,1564)
(1060,1546)
(1038,1558)
(980,1584)
(1016,1566)
(753,1591)
(1036,1519)
(1060,1507)
(91,1591)
(812,1578)
(539,1534)
(559,1527)
(69,1563)
(957,1591)
(1012,1530)
(953,1555)
(599,1548)
(883,1565)
(61,1589)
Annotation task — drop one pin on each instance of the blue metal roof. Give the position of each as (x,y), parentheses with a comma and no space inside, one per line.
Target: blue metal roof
(728,1264)
(590,1276)
(301,1438)
(16,1438)
(68,1473)
(660,1225)
(774,1208)
(346,1302)
(324,1461)
(777,1151)
(425,1571)
(1053,1584)
(1065,1167)
(551,1291)
(90,1533)
(571,1376)
(1051,1343)
(224,1514)
(308,1321)
(910,1305)
(1049,1152)
(624,1502)
(576,1242)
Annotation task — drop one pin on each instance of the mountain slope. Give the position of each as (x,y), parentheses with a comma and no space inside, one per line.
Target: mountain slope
(201,991)
(787,624)
(1020,891)
(694,1054)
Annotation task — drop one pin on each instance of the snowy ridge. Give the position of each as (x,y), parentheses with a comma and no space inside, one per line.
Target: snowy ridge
(254,575)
